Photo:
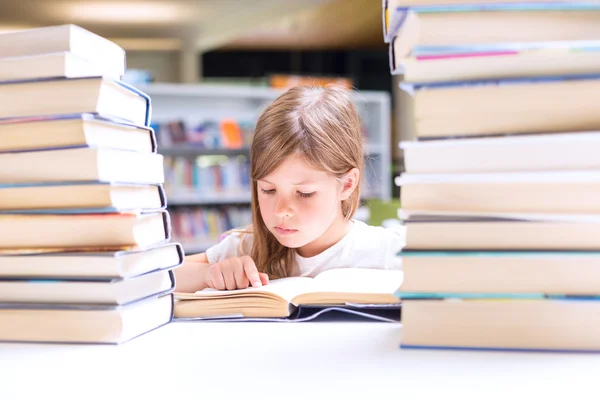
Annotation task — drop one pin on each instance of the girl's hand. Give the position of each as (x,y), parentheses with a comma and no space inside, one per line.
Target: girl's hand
(235,273)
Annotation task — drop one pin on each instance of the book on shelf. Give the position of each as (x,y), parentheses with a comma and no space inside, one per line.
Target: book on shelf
(96,95)
(370,290)
(514,322)
(116,231)
(136,76)
(93,164)
(223,133)
(454,24)
(69,197)
(502,106)
(89,263)
(207,173)
(231,134)
(89,323)
(79,290)
(99,52)
(497,61)
(175,130)
(74,131)
(206,224)
(186,196)
(286,81)
(558,151)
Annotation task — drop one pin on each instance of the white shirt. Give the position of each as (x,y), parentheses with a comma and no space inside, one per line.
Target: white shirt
(364,246)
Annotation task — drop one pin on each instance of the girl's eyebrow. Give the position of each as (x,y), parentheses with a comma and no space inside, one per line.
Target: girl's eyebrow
(305,182)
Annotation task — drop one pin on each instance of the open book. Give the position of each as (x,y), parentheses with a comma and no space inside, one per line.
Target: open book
(358,290)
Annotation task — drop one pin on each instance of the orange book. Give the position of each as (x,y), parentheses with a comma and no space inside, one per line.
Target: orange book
(231,134)
(288,81)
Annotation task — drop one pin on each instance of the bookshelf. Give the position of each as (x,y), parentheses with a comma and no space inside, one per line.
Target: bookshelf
(194,105)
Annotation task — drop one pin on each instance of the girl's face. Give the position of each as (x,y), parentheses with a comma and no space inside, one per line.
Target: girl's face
(300,205)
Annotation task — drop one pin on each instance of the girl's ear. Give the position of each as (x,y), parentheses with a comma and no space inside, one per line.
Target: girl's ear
(349,182)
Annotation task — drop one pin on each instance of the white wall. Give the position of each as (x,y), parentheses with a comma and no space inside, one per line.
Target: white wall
(163,65)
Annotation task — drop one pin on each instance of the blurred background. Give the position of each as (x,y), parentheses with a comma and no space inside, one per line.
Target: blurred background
(210,66)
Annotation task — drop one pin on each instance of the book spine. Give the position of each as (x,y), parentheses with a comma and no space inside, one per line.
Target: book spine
(411,87)
(206,224)
(205,174)
(396,19)
(144,96)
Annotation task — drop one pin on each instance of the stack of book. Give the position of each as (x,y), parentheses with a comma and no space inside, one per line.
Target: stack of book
(501,190)
(85,251)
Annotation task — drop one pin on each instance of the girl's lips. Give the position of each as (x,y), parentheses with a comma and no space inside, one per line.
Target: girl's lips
(284,231)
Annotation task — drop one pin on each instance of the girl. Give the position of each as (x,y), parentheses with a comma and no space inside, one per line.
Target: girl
(306,165)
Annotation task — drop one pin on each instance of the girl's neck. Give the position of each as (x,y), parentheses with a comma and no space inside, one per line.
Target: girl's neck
(336,231)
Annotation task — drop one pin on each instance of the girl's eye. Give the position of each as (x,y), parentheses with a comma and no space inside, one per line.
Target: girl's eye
(271,191)
(306,194)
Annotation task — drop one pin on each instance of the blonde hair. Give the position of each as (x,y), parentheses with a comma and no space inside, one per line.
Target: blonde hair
(321,125)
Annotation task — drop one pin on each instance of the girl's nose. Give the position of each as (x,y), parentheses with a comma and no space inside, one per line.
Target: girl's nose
(282,207)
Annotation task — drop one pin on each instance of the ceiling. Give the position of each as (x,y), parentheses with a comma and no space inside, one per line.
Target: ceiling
(209,24)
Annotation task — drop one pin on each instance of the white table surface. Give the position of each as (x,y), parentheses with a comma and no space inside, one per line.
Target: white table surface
(285,360)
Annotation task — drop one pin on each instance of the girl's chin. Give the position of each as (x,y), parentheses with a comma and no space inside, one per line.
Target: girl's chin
(292,241)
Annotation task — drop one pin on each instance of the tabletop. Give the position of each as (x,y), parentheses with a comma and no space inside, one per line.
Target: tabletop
(285,360)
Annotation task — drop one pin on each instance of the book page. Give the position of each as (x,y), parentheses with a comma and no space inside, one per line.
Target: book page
(503,177)
(358,280)
(286,288)
(531,216)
